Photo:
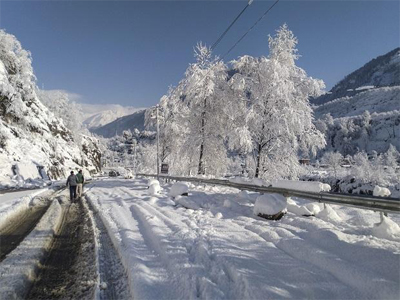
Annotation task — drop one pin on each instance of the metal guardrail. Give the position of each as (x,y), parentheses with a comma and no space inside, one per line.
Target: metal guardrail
(383,204)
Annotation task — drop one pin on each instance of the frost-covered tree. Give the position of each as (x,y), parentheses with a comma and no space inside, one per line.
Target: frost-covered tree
(58,102)
(279,119)
(170,133)
(333,160)
(391,157)
(202,118)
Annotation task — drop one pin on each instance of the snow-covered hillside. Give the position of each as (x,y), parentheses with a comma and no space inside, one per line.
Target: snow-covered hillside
(381,71)
(130,122)
(30,135)
(99,115)
(366,116)
(375,100)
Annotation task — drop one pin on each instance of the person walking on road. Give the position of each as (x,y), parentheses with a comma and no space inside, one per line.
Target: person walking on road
(71,181)
(79,180)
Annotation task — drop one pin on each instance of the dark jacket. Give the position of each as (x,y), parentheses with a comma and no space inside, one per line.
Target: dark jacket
(72,180)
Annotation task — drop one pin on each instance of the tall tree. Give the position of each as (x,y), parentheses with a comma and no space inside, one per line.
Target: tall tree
(279,118)
(202,115)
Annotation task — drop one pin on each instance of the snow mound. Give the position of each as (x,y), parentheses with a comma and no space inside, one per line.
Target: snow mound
(152,181)
(314,208)
(269,204)
(154,188)
(386,229)
(178,189)
(186,202)
(328,214)
(306,186)
(381,191)
(297,209)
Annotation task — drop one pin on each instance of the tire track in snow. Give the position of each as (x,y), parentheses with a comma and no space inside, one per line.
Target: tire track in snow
(113,280)
(148,278)
(69,270)
(211,277)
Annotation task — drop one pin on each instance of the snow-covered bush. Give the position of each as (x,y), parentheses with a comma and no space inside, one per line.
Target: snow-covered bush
(381,191)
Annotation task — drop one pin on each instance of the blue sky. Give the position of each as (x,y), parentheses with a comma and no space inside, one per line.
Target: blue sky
(129,52)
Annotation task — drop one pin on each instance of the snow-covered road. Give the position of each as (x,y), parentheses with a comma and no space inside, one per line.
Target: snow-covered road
(218,249)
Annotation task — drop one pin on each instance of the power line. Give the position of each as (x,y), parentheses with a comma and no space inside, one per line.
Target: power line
(243,36)
(250,29)
(229,27)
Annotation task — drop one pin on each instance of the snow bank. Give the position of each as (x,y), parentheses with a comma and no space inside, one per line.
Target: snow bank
(297,209)
(381,191)
(12,204)
(19,268)
(328,214)
(269,204)
(306,186)
(178,189)
(386,229)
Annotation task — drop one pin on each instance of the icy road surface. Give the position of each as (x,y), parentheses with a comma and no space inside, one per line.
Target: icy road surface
(219,250)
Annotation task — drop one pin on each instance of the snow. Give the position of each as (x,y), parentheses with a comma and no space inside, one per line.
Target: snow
(218,249)
(11,204)
(366,87)
(329,214)
(154,189)
(298,210)
(178,189)
(152,181)
(269,204)
(387,229)
(306,186)
(27,171)
(381,191)
(19,268)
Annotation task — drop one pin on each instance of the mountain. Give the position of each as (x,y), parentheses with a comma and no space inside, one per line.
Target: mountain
(379,72)
(99,115)
(362,112)
(130,122)
(34,143)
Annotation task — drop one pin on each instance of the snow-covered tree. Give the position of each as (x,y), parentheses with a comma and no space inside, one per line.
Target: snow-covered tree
(58,102)
(333,160)
(202,118)
(278,116)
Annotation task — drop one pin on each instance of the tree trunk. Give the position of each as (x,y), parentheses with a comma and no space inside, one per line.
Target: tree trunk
(201,169)
(258,161)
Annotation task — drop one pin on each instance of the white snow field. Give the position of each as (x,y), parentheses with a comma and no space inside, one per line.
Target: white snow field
(221,250)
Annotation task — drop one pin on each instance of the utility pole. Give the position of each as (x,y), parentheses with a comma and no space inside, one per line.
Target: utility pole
(158,142)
